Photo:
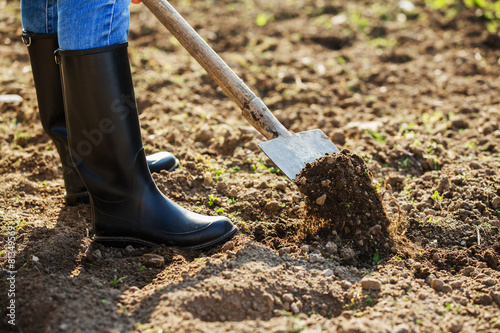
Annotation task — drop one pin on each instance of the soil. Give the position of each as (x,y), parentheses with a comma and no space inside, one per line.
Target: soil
(342,202)
(413,93)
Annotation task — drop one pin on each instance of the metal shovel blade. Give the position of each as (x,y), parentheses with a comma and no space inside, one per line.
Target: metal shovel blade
(291,153)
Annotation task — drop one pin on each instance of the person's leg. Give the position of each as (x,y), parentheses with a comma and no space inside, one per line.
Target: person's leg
(87,24)
(106,147)
(39,16)
(105,137)
(39,19)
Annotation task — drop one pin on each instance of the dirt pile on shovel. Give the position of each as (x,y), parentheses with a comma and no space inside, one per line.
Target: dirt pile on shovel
(342,206)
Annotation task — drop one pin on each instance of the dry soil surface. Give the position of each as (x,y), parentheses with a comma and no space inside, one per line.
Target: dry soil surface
(413,92)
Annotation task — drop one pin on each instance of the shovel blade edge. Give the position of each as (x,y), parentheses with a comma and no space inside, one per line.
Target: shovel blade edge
(290,154)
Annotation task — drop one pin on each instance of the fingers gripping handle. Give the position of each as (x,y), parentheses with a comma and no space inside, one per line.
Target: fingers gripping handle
(253,108)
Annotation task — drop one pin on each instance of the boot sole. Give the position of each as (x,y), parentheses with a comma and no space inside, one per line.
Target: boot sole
(125,241)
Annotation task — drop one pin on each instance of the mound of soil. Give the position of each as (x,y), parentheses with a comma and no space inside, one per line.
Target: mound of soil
(345,205)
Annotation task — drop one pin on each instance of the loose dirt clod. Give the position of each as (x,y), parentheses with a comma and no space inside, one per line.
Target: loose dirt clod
(350,205)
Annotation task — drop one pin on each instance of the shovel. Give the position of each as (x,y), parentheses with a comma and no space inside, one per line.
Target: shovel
(289,151)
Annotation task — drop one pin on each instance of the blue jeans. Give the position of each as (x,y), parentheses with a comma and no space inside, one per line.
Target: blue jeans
(79,24)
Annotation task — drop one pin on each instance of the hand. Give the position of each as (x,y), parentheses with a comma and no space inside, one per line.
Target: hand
(136,1)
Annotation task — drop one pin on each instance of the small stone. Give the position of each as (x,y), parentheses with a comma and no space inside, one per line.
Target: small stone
(437,284)
(153,260)
(475,165)
(371,284)
(495,202)
(446,289)
(489,282)
(321,200)
(288,298)
(331,247)
(457,284)
(347,253)
(286,306)
(207,179)
(129,249)
(455,327)
(377,228)
(226,274)
(467,271)
(345,284)
(269,299)
(284,250)
(10,98)
(315,257)
(495,296)
(327,272)
(96,255)
(233,193)
(272,207)
(403,328)
(263,185)
(294,308)
(460,299)
(483,299)
(221,187)
(228,246)
(298,268)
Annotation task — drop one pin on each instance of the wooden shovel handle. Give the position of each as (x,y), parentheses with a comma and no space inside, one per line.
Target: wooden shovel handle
(252,107)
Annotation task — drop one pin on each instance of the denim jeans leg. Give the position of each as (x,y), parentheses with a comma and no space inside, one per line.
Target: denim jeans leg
(39,16)
(84,24)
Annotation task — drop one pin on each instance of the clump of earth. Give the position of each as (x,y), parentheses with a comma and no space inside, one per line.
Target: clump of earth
(343,205)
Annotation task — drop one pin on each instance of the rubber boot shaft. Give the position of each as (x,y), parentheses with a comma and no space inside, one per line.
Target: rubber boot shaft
(47,80)
(41,48)
(106,146)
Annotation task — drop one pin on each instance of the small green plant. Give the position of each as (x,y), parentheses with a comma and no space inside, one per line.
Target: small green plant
(487,9)
(497,211)
(263,18)
(232,200)
(380,138)
(273,170)
(436,196)
(347,206)
(376,258)
(234,169)
(116,280)
(220,210)
(212,199)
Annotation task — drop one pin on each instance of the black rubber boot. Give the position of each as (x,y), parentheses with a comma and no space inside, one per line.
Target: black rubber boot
(106,147)
(47,79)
(41,49)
